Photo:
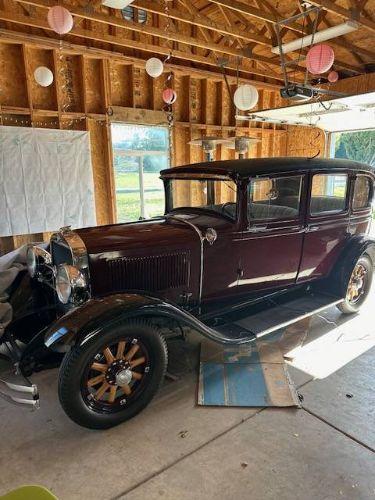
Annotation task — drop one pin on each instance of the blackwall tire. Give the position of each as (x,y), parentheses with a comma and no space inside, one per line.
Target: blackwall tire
(74,387)
(350,306)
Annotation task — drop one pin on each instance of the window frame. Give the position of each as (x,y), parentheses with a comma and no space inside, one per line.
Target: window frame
(140,154)
(253,222)
(327,213)
(371,194)
(200,177)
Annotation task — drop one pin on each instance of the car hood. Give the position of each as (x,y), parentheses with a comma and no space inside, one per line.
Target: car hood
(148,235)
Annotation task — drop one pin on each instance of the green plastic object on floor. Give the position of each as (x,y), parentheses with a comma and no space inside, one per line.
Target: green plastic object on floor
(29,493)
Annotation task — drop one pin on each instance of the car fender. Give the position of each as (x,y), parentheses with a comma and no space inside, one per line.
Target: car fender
(355,247)
(96,315)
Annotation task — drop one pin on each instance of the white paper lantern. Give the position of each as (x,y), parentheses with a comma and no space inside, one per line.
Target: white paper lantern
(246,97)
(43,76)
(117,4)
(154,67)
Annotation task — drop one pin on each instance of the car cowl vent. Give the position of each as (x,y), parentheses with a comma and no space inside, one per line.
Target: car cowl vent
(154,273)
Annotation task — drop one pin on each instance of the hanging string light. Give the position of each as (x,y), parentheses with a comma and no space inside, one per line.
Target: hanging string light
(168,86)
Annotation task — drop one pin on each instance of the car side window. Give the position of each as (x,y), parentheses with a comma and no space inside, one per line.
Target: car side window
(362,192)
(328,193)
(275,198)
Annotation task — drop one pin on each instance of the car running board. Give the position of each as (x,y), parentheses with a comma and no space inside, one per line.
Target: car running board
(275,316)
(18,390)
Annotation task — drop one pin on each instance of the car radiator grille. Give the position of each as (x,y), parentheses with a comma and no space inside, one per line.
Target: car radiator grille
(153,273)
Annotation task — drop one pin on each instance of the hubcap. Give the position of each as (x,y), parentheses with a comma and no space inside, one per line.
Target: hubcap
(124,377)
(116,373)
(357,284)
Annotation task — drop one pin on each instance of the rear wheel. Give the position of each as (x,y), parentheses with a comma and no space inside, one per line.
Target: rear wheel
(111,378)
(358,287)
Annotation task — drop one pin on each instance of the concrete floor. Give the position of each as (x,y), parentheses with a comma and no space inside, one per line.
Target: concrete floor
(176,450)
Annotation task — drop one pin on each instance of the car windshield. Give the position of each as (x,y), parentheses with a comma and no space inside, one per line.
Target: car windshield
(219,196)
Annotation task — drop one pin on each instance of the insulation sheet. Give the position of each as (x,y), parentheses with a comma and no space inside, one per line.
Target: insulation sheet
(45,180)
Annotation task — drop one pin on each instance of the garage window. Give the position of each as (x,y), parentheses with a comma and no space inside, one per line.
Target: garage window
(275,198)
(328,193)
(362,193)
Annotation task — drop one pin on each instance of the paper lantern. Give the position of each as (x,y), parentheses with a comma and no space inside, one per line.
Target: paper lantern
(60,19)
(333,76)
(246,97)
(43,76)
(169,96)
(154,67)
(319,59)
(117,4)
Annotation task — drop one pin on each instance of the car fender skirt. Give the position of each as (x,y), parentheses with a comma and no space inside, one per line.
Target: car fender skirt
(97,315)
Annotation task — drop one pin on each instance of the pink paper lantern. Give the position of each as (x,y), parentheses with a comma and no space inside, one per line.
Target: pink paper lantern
(319,59)
(333,76)
(60,20)
(169,96)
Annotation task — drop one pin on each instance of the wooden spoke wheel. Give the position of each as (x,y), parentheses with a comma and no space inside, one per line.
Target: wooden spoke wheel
(116,374)
(113,374)
(359,286)
(357,283)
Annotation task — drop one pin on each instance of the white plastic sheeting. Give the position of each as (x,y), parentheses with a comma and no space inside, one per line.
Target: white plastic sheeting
(45,180)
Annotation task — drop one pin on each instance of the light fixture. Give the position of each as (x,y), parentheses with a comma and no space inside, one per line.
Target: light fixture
(320,36)
(117,4)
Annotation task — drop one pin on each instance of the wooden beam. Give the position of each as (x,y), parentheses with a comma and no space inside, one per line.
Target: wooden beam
(139,28)
(202,22)
(294,26)
(125,42)
(14,37)
(344,13)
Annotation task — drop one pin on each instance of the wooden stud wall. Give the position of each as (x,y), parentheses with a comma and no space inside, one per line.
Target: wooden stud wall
(87,86)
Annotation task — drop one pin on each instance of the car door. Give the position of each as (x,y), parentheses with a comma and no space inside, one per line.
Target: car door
(271,244)
(327,223)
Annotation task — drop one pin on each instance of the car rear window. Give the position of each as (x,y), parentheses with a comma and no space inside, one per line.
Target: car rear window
(362,192)
(328,193)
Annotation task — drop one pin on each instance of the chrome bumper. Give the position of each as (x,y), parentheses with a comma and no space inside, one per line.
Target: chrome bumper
(18,390)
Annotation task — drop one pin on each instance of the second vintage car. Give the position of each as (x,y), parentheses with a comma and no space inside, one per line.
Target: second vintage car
(273,240)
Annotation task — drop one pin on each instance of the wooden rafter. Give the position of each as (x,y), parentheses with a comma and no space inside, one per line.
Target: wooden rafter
(344,13)
(269,17)
(139,28)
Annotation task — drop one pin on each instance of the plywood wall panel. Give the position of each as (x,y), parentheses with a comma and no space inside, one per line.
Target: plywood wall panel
(41,97)
(93,81)
(12,76)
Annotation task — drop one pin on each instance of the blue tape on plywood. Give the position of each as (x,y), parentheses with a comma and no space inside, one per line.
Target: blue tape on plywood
(250,376)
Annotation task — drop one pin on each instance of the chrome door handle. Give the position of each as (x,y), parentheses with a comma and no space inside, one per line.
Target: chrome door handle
(311,229)
(255,229)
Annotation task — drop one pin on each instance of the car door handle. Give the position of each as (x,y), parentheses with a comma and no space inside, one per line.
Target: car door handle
(311,229)
(255,229)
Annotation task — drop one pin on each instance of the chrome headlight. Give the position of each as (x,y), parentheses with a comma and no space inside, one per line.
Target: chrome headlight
(71,284)
(37,257)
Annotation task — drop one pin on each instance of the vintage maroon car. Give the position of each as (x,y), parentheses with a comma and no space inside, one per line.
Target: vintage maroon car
(273,239)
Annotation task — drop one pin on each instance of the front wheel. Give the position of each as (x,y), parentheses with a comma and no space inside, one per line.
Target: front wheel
(111,378)
(358,287)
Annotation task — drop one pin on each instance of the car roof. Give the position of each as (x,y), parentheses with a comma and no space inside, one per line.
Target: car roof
(259,166)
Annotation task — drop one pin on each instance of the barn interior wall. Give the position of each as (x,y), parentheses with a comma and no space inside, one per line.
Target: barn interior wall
(88,87)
